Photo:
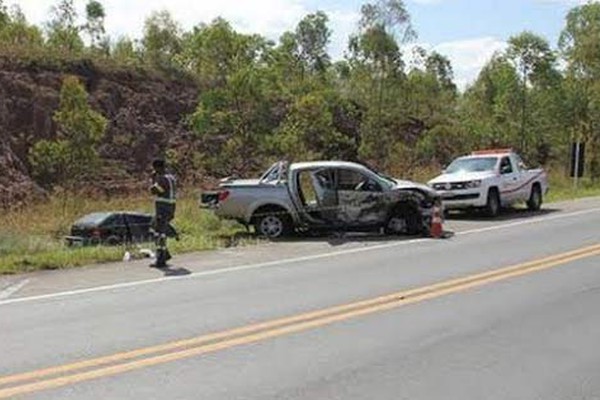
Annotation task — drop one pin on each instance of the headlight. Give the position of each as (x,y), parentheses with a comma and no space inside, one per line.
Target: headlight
(472,184)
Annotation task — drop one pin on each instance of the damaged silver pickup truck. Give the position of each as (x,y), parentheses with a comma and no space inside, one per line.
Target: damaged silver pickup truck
(324,195)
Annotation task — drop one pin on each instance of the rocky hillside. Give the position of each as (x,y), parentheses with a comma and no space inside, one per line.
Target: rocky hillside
(146,113)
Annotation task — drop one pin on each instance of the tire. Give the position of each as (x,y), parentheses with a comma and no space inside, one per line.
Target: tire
(492,208)
(113,241)
(273,224)
(405,219)
(535,198)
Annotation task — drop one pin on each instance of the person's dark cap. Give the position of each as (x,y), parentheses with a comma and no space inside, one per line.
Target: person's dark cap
(158,163)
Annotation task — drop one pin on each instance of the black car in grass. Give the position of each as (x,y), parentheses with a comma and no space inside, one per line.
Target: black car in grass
(113,228)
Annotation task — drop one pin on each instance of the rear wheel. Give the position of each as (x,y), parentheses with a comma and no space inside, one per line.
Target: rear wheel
(405,219)
(273,224)
(535,198)
(492,207)
(113,240)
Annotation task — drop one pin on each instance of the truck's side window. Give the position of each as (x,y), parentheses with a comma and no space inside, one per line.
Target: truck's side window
(520,163)
(506,166)
(349,180)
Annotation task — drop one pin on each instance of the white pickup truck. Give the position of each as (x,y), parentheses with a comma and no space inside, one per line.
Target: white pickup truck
(489,180)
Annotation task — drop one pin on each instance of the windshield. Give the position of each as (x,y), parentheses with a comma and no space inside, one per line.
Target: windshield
(93,219)
(386,179)
(472,165)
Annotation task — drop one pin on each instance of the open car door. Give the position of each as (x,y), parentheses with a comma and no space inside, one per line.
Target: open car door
(317,196)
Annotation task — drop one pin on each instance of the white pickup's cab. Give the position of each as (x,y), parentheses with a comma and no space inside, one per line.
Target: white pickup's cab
(490,179)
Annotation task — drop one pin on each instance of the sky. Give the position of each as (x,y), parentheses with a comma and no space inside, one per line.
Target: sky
(468,32)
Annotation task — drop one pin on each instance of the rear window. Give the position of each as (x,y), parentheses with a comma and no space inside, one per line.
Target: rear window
(93,219)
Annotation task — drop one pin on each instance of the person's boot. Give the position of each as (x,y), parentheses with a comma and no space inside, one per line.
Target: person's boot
(161,260)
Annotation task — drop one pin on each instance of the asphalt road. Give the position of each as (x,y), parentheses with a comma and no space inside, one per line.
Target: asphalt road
(503,310)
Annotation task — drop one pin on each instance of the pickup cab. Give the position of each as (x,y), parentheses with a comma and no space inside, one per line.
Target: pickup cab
(490,179)
(324,195)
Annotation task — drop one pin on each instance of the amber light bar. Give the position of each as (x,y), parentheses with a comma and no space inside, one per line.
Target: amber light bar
(491,151)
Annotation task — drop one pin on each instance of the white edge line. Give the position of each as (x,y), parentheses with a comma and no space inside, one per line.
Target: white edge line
(285,261)
(12,289)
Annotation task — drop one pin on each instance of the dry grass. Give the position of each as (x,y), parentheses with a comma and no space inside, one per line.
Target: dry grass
(32,238)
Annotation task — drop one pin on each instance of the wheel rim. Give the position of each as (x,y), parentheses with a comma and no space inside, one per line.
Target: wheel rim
(397,225)
(271,226)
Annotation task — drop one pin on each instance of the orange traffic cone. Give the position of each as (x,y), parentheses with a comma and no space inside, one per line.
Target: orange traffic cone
(437,231)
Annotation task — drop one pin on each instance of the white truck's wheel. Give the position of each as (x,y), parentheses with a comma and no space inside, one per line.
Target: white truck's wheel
(535,198)
(492,207)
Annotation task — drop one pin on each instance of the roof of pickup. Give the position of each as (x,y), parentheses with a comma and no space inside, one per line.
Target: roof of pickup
(329,164)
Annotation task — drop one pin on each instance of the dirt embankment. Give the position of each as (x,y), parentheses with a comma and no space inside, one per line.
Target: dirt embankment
(146,114)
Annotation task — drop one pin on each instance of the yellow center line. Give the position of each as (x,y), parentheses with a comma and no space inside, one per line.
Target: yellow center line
(261,331)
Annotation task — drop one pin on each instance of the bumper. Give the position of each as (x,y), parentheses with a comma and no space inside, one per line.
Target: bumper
(461,199)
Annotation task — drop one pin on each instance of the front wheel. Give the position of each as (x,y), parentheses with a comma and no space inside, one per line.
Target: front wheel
(492,207)
(405,219)
(535,199)
(273,225)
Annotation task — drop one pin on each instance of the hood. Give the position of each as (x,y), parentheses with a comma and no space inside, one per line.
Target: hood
(461,176)
(402,184)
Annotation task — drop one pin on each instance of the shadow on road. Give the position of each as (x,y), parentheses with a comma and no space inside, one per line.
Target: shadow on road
(333,238)
(342,238)
(508,214)
(170,271)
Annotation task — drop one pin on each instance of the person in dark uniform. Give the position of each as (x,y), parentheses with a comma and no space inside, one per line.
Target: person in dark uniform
(164,190)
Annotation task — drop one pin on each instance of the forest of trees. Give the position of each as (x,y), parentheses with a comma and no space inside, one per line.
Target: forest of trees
(262,100)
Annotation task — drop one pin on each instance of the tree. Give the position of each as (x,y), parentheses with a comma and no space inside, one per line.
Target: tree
(532,57)
(162,39)
(94,26)
(4,19)
(124,51)
(388,14)
(440,67)
(378,73)
(312,37)
(579,41)
(489,106)
(62,30)
(308,131)
(579,45)
(16,31)
(215,51)
(73,156)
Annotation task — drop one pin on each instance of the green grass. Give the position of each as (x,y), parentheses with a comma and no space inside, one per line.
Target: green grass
(562,188)
(32,239)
